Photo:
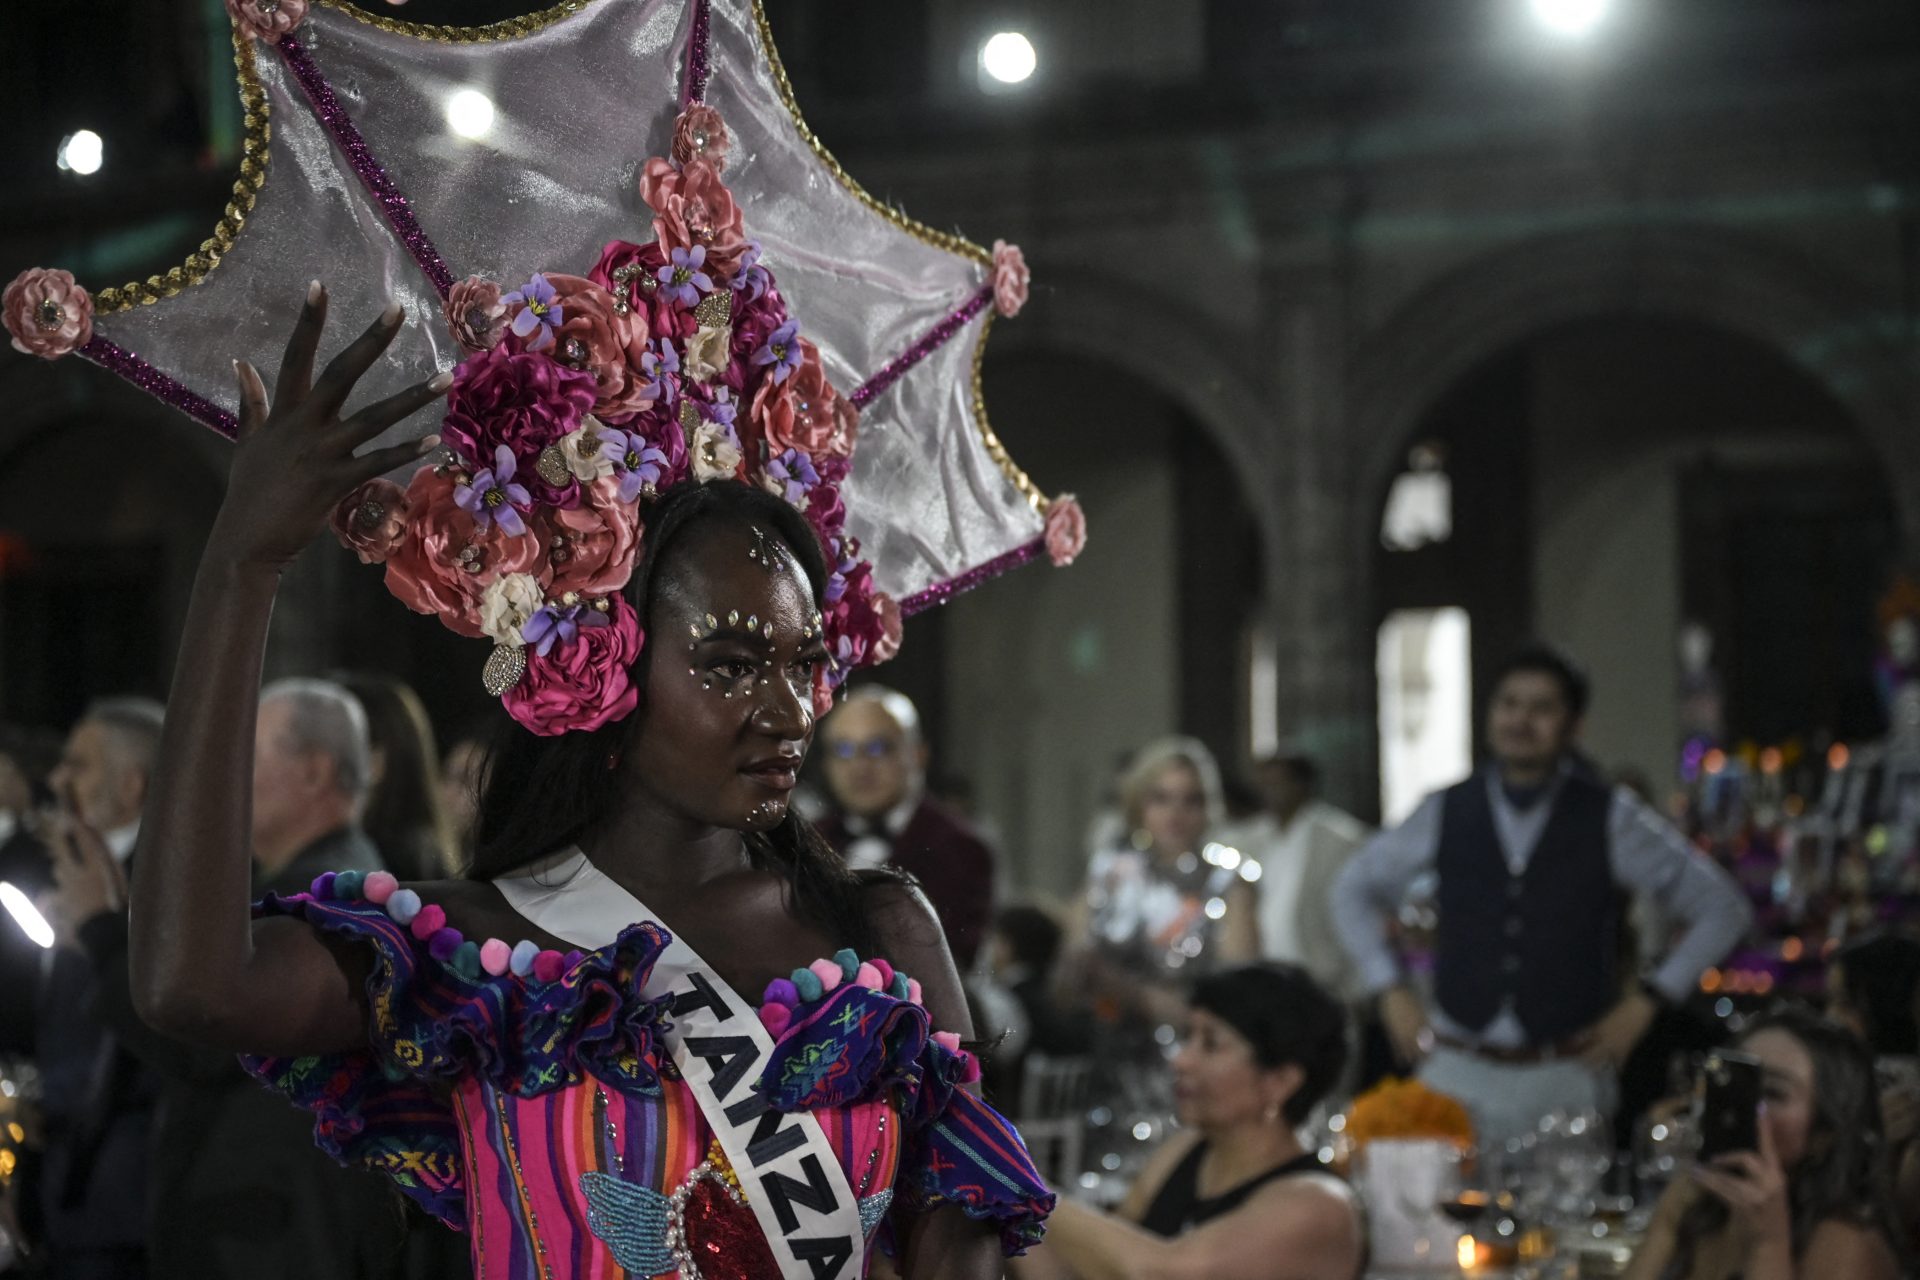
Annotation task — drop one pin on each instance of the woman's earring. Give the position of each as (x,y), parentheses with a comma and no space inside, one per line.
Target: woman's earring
(1273,1114)
(613,761)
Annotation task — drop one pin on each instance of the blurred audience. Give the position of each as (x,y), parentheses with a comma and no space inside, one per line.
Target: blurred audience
(1813,1203)
(239,1188)
(1536,1003)
(26,758)
(460,779)
(1234,1193)
(1301,842)
(405,814)
(876,769)
(97,1099)
(1022,957)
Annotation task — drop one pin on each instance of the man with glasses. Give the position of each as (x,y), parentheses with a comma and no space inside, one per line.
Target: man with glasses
(876,765)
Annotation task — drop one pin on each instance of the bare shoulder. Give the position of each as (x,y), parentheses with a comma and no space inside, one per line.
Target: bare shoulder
(1853,1249)
(480,911)
(1311,1208)
(903,918)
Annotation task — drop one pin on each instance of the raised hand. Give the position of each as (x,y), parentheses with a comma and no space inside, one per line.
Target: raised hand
(295,456)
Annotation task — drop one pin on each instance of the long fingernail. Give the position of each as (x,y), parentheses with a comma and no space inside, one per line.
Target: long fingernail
(441,381)
(429,443)
(391,316)
(313,293)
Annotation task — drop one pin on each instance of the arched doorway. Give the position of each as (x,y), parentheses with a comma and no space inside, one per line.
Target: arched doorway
(1618,477)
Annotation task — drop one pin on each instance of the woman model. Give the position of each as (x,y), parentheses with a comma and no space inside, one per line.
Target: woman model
(1236,1197)
(1813,1200)
(591,1087)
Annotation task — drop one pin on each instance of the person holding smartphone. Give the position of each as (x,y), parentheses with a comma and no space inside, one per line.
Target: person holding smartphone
(1811,1198)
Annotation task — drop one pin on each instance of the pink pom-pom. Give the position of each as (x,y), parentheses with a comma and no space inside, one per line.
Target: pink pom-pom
(548,966)
(948,1040)
(431,920)
(379,887)
(913,991)
(886,973)
(969,1068)
(868,977)
(495,956)
(776,1018)
(828,972)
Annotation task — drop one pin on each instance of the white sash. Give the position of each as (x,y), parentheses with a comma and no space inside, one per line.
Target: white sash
(794,1184)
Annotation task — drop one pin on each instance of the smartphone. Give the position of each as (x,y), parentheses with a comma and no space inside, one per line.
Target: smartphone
(1729,1103)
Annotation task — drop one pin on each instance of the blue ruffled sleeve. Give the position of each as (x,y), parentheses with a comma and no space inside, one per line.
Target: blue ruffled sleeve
(853,1044)
(386,1107)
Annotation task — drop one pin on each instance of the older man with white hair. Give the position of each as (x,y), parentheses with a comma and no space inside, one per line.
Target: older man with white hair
(312,766)
(877,770)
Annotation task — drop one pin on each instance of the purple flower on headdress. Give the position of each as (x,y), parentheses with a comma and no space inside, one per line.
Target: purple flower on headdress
(846,556)
(791,475)
(540,312)
(659,361)
(681,279)
(558,623)
(750,277)
(492,498)
(639,465)
(720,409)
(781,351)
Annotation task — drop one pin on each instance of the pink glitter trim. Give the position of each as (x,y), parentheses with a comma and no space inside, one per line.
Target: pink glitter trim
(695,88)
(929,342)
(117,359)
(941,592)
(386,193)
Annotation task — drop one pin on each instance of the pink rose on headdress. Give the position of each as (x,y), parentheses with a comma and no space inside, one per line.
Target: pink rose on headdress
(445,561)
(632,272)
(593,337)
(700,134)
(521,400)
(691,207)
(854,625)
(1066,531)
(823,691)
(267,19)
(892,628)
(371,520)
(1010,276)
(599,539)
(804,412)
(581,683)
(474,313)
(47,313)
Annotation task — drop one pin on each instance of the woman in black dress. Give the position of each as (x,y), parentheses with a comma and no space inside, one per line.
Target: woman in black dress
(1234,1196)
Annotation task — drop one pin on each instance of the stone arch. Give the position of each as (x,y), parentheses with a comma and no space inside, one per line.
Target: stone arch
(1820,323)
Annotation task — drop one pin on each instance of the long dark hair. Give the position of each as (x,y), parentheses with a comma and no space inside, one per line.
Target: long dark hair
(405,816)
(540,794)
(1844,1174)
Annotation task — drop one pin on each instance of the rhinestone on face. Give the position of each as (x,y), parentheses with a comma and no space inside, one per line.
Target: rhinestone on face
(733,618)
(713,623)
(48,315)
(504,669)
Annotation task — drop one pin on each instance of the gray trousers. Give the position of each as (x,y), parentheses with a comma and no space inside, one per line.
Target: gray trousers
(1507,1100)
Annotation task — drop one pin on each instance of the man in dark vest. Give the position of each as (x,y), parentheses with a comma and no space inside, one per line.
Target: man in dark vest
(876,766)
(1534,1006)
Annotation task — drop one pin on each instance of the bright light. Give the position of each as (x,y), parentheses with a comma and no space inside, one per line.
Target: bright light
(470,113)
(1008,57)
(1216,907)
(1570,17)
(80,152)
(24,914)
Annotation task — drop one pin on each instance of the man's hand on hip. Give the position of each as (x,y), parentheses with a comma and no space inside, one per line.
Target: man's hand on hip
(1607,1043)
(1405,1021)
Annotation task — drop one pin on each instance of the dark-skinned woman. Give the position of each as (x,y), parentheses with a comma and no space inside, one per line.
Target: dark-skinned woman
(658,1028)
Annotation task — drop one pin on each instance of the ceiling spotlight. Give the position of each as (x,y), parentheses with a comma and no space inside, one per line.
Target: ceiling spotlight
(470,113)
(1570,17)
(1008,57)
(80,152)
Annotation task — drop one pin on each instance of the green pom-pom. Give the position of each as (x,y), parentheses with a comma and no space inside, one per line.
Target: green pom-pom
(350,886)
(466,960)
(899,990)
(807,983)
(849,963)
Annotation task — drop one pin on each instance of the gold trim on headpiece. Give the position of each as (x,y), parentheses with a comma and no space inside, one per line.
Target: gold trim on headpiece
(246,188)
(920,231)
(509,29)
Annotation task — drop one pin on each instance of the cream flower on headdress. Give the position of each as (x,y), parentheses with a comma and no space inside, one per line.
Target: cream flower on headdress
(583,449)
(506,605)
(715,454)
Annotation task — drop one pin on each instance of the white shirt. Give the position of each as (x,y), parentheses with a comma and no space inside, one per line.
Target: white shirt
(120,841)
(869,844)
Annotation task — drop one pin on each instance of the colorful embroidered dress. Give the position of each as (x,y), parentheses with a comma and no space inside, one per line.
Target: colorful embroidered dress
(547,1120)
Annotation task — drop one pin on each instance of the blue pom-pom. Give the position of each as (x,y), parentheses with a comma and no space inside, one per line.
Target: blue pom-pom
(807,983)
(466,960)
(348,885)
(849,963)
(322,886)
(522,961)
(403,906)
(899,989)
